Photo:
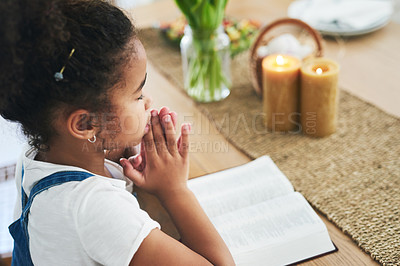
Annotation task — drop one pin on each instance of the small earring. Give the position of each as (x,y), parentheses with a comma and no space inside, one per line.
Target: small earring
(94,139)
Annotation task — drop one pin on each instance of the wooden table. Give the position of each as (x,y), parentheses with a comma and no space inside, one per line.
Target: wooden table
(369,69)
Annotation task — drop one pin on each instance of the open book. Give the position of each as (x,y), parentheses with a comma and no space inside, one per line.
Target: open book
(261,218)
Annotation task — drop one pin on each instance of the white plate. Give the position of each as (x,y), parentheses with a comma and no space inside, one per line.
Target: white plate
(341,17)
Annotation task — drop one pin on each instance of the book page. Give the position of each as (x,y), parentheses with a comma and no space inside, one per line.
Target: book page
(238,187)
(279,231)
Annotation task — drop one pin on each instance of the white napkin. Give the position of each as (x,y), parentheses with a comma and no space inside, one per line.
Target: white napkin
(285,44)
(349,14)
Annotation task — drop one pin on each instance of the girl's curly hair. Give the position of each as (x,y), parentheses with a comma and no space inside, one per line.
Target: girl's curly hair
(36,38)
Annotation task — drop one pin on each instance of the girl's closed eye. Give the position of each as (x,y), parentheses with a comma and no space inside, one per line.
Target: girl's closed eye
(141,87)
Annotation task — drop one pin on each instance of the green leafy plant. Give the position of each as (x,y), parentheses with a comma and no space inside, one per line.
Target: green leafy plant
(205,77)
(203,15)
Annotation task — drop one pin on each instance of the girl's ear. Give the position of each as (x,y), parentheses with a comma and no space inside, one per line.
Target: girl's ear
(79,124)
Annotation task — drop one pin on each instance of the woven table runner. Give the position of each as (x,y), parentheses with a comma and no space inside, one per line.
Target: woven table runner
(352,176)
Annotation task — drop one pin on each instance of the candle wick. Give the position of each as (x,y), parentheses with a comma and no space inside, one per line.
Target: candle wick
(279,60)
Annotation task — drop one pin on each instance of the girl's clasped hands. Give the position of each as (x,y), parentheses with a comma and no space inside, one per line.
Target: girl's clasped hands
(162,166)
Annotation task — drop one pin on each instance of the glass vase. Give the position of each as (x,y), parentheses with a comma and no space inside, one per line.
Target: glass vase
(206,64)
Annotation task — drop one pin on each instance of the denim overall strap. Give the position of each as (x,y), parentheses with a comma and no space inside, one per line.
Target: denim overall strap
(19,229)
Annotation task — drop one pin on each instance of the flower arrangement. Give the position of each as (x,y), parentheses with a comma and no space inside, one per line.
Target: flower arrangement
(206,75)
(241,32)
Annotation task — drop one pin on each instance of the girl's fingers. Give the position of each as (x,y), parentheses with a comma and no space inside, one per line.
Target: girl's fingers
(130,172)
(184,142)
(148,145)
(174,117)
(143,151)
(178,142)
(163,111)
(158,133)
(136,161)
(142,157)
(170,134)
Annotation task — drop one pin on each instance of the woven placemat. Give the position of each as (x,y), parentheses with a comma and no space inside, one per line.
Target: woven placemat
(352,176)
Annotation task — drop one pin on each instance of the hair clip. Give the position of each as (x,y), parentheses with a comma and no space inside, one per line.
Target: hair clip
(59,75)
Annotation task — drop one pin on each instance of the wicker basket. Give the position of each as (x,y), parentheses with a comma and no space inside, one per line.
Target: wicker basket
(304,33)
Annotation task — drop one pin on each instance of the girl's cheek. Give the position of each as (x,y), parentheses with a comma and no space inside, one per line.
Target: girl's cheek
(128,123)
(131,126)
(134,124)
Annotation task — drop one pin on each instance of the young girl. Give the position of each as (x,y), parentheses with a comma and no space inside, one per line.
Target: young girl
(73,74)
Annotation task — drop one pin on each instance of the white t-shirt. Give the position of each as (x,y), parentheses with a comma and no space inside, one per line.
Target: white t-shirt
(92,222)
